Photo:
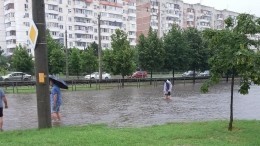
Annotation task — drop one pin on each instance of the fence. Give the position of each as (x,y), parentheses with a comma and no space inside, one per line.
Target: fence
(79,85)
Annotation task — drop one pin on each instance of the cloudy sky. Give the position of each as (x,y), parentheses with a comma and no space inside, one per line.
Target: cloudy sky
(241,6)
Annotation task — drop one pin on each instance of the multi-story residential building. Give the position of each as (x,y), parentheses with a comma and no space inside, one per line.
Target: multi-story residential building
(16,24)
(161,15)
(76,19)
(2,28)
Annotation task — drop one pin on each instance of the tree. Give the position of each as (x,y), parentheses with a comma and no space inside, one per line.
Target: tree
(74,62)
(56,61)
(175,50)
(56,55)
(89,61)
(21,60)
(151,52)
(3,62)
(231,51)
(196,50)
(120,59)
(94,47)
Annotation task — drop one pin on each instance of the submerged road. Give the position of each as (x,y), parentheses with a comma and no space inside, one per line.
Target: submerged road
(136,107)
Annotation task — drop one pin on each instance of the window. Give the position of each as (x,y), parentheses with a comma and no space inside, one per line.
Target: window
(26,24)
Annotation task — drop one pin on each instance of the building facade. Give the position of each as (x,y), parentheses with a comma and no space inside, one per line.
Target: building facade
(78,20)
(161,15)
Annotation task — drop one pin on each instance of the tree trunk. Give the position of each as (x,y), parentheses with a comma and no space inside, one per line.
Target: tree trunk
(173,76)
(194,75)
(151,77)
(231,103)
(123,80)
(226,77)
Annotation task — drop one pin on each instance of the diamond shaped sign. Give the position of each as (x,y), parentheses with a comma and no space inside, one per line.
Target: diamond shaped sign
(33,34)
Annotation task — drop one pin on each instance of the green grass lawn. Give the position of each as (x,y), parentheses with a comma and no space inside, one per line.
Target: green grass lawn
(213,133)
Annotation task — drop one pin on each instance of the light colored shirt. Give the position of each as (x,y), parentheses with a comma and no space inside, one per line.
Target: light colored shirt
(2,94)
(56,90)
(167,88)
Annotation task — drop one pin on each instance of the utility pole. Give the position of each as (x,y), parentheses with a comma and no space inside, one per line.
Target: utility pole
(99,49)
(41,66)
(66,53)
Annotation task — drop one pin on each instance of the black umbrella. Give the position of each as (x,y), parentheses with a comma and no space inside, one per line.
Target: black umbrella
(58,82)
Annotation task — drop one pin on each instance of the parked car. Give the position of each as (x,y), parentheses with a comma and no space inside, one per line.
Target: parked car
(17,76)
(206,73)
(189,73)
(139,74)
(95,75)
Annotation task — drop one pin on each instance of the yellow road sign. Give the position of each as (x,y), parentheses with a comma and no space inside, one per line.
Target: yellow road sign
(33,33)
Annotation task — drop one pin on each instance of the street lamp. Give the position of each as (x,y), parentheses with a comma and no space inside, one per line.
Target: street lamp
(66,46)
(99,49)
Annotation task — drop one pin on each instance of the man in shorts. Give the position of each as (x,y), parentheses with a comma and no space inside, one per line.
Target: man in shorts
(2,99)
(167,88)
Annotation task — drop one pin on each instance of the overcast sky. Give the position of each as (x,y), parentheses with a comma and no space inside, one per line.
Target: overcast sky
(240,6)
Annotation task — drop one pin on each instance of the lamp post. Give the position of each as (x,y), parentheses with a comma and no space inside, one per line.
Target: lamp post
(66,46)
(99,49)
(66,52)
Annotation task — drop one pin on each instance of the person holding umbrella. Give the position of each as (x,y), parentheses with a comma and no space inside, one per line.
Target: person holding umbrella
(2,99)
(55,96)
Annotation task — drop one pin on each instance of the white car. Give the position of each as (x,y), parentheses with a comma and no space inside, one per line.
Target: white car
(17,76)
(95,75)
(206,73)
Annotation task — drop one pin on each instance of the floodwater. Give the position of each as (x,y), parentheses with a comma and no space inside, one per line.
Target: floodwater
(136,107)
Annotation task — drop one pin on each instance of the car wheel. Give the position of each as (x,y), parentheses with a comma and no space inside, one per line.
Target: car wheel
(92,78)
(6,80)
(106,78)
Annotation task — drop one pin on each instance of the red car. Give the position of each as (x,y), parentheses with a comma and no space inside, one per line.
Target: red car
(139,74)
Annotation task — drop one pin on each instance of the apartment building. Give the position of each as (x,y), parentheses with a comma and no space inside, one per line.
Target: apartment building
(80,19)
(161,15)
(2,28)
(14,23)
(76,19)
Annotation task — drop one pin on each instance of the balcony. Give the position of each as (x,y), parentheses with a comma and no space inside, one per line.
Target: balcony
(80,15)
(52,2)
(9,11)
(111,4)
(8,1)
(10,19)
(13,37)
(9,46)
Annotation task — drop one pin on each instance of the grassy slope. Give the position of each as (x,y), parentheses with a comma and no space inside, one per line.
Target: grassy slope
(199,133)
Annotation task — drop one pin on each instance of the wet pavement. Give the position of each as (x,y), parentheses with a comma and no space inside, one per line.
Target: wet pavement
(135,107)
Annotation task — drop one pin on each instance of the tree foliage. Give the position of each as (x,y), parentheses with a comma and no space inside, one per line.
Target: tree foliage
(120,59)
(175,48)
(231,52)
(94,47)
(21,60)
(74,62)
(89,61)
(3,62)
(151,52)
(56,55)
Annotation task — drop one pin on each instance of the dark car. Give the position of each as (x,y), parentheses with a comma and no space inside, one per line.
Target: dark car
(139,74)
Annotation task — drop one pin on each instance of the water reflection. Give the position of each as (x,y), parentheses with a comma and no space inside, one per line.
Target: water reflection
(136,107)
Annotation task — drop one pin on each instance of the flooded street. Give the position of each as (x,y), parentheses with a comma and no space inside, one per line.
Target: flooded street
(135,107)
